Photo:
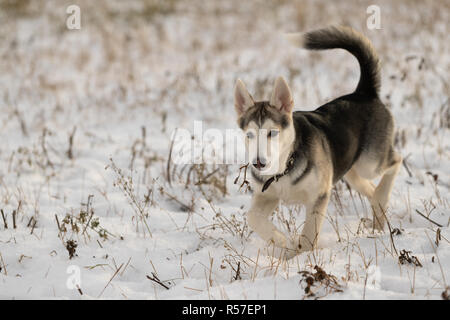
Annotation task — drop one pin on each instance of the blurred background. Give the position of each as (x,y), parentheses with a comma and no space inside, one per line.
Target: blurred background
(163,64)
(174,57)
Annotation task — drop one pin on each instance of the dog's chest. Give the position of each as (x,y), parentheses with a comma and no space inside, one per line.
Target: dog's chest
(303,191)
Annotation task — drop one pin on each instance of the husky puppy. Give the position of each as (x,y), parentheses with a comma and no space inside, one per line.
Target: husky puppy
(350,137)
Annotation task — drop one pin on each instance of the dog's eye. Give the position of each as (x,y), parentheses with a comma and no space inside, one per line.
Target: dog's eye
(250,135)
(272,133)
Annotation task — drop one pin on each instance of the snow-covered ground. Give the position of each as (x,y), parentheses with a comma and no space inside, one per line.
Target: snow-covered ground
(86,120)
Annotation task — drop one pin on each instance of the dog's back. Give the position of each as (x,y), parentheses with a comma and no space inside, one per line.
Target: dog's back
(357,126)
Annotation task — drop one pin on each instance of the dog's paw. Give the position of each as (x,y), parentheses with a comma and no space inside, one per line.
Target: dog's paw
(369,225)
(365,223)
(279,240)
(281,253)
(297,246)
(280,247)
(289,254)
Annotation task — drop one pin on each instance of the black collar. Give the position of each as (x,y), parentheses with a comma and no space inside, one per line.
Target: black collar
(289,167)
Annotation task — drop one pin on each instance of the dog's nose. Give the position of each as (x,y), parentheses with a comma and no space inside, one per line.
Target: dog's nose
(259,163)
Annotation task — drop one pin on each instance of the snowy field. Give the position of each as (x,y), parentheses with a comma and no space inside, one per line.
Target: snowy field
(92,206)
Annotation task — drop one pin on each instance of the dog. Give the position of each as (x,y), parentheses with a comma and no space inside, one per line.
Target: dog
(350,137)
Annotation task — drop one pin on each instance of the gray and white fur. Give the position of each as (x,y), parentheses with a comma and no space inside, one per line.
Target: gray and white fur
(350,137)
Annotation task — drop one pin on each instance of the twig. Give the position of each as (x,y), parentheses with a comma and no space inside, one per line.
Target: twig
(390,229)
(115,273)
(30,221)
(59,230)
(14,218)
(238,272)
(428,219)
(70,149)
(79,290)
(57,223)
(184,206)
(87,211)
(405,165)
(439,261)
(4,219)
(125,266)
(99,244)
(206,177)
(4,265)
(155,279)
(32,228)
(245,182)
(169,159)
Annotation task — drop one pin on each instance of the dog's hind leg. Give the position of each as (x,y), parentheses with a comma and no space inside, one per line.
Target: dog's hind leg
(258,220)
(383,190)
(363,186)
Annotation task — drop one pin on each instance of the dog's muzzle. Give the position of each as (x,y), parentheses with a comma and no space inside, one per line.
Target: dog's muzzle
(259,163)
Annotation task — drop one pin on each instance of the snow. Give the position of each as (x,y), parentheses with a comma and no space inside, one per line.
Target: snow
(131,67)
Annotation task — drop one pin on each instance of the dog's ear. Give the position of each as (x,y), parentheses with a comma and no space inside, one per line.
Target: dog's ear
(281,96)
(242,99)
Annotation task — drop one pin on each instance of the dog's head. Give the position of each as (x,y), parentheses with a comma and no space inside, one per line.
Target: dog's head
(267,125)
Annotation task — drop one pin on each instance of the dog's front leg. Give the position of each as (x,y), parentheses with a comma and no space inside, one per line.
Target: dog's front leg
(258,219)
(315,214)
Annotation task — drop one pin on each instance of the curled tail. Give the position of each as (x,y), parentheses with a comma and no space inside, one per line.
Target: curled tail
(352,41)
